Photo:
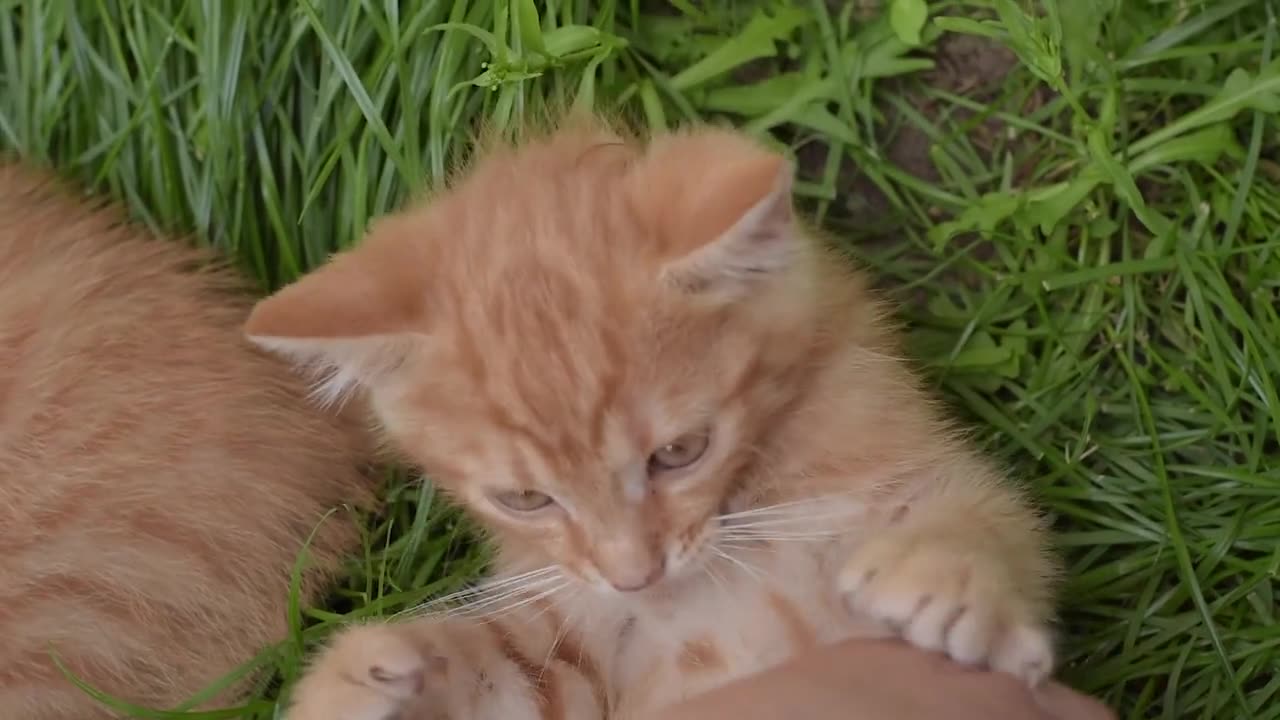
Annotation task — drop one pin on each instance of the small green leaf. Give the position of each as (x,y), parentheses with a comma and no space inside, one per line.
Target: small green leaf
(571,39)
(652,104)
(982,216)
(816,117)
(1125,187)
(586,96)
(1016,340)
(982,352)
(1203,146)
(885,57)
(944,307)
(907,18)
(1180,33)
(1034,41)
(526,16)
(1082,27)
(1239,92)
(757,40)
(757,98)
(983,28)
(1049,207)
(492,43)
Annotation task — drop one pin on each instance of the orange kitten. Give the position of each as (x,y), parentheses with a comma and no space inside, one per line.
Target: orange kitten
(158,475)
(681,418)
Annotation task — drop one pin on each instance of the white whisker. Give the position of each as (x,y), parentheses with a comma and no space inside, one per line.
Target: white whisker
(492,615)
(750,570)
(717,580)
(767,509)
(780,537)
(496,583)
(740,544)
(485,595)
(485,591)
(797,519)
(777,532)
(822,501)
(558,638)
(535,586)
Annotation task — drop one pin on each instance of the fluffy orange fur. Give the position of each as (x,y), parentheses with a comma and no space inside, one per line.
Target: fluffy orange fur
(158,474)
(682,418)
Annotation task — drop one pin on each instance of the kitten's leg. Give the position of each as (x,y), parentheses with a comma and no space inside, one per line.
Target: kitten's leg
(961,567)
(447,670)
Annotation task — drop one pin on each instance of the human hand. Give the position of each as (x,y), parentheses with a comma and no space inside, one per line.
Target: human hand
(884,680)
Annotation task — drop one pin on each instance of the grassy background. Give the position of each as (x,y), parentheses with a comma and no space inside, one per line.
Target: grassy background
(1078,208)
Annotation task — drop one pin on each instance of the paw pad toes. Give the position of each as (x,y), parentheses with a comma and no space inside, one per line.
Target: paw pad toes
(968,637)
(855,581)
(1027,653)
(941,598)
(953,619)
(401,684)
(922,605)
(926,629)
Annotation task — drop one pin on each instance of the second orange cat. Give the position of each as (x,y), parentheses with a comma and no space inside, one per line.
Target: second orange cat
(159,476)
(684,422)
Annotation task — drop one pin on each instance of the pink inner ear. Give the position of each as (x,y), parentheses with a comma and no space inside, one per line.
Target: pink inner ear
(699,185)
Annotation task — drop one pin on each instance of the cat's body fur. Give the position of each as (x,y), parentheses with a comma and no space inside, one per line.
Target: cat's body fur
(158,475)
(554,337)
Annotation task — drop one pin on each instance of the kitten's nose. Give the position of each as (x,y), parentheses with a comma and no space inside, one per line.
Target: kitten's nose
(633,581)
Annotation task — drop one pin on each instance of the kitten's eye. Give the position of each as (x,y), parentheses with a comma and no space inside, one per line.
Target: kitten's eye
(681,452)
(523,500)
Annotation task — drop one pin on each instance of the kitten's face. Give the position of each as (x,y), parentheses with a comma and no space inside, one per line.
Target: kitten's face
(605,450)
(583,341)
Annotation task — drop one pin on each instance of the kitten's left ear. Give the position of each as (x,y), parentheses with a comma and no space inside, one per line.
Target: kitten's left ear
(727,210)
(350,321)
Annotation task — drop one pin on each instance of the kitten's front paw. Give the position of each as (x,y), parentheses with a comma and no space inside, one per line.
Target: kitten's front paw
(370,672)
(940,595)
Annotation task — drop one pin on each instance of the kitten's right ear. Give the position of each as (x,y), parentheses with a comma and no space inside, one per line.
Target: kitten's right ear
(351,321)
(722,209)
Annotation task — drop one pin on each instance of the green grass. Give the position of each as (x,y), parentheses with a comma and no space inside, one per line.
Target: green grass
(1088,255)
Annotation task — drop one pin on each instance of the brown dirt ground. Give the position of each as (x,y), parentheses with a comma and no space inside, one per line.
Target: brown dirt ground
(969,66)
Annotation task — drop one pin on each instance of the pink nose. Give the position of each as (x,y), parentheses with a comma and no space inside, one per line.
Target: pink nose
(636,582)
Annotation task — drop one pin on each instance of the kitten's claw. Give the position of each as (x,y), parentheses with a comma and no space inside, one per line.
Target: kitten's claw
(939,596)
(370,672)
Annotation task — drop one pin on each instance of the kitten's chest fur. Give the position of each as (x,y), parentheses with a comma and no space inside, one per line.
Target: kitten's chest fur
(726,623)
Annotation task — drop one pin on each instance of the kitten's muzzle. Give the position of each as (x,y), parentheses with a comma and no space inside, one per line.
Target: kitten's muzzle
(635,581)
